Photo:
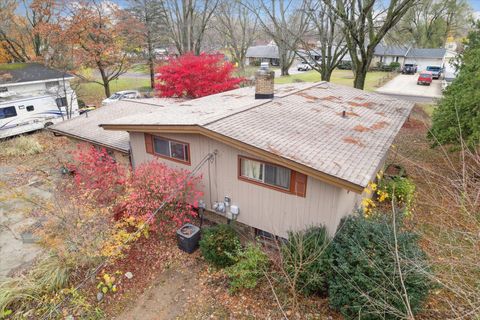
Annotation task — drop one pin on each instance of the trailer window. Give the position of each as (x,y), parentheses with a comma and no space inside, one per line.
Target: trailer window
(8,112)
(30,108)
(61,102)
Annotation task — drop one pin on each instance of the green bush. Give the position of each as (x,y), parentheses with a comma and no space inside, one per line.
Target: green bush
(365,282)
(220,245)
(306,258)
(249,268)
(403,189)
(394,65)
(456,118)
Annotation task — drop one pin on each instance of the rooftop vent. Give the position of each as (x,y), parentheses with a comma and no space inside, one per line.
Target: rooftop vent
(264,80)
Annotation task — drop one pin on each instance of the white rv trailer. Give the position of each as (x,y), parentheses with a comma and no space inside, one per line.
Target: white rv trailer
(24,113)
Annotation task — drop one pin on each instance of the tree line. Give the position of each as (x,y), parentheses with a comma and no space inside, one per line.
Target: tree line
(109,38)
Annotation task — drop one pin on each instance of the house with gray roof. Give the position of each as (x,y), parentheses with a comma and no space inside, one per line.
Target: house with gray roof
(301,158)
(267,53)
(422,57)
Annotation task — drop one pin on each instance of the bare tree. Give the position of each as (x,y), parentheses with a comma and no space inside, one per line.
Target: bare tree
(285,21)
(186,22)
(326,27)
(365,24)
(151,15)
(430,23)
(238,27)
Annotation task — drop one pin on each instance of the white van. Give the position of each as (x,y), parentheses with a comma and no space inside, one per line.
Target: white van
(21,114)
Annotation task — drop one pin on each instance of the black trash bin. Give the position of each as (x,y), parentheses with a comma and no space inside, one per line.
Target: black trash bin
(188,237)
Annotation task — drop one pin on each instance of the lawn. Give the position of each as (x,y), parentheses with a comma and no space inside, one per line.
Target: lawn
(343,77)
(93,93)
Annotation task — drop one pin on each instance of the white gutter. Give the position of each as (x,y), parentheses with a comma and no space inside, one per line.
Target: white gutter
(33,82)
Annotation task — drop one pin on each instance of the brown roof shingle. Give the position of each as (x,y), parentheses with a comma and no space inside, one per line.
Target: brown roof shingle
(304,123)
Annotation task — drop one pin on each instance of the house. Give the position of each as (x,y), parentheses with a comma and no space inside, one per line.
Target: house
(422,57)
(33,96)
(265,53)
(86,129)
(279,160)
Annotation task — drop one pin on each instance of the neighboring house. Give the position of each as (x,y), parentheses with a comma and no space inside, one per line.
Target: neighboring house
(267,53)
(33,96)
(300,159)
(388,54)
(422,57)
(86,129)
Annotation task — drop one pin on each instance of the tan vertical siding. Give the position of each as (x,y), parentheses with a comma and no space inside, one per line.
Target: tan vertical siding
(260,207)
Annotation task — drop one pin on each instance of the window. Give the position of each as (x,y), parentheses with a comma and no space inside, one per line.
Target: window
(167,148)
(8,112)
(266,173)
(3,89)
(30,108)
(52,85)
(61,102)
(273,176)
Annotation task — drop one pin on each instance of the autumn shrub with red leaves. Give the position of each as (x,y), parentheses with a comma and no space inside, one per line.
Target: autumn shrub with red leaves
(135,193)
(152,185)
(191,76)
(97,174)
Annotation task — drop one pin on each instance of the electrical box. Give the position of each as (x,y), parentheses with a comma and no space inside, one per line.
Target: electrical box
(234,210)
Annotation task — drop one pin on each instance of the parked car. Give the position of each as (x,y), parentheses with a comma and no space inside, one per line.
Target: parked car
(120,95)
(304,67)
(425,78)
(436,71)
(409,68)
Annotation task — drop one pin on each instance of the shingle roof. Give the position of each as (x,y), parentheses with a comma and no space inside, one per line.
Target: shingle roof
(382,50)
(268,51)
(86,127)
(11,73)
(303,124)
(436,53)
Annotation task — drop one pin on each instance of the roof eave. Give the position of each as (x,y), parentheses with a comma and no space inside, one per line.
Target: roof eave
(195,129)
(70,135)
(33,82)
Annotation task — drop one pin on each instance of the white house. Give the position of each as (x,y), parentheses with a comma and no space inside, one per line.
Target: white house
(422,57)
(32,97)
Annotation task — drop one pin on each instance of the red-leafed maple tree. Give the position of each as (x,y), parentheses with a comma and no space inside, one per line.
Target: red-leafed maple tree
(191,76)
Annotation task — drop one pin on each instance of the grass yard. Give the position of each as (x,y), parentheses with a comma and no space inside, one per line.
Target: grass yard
(93,93)
(343,77)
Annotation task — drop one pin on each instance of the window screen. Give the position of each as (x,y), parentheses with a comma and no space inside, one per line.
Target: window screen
(267,173)
(171,149)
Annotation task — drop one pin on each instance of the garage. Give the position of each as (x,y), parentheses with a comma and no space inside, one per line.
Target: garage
(426,57)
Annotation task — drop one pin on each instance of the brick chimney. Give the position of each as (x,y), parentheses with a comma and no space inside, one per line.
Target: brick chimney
(264,79)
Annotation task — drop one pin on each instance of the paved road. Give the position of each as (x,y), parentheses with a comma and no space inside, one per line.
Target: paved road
(405,86)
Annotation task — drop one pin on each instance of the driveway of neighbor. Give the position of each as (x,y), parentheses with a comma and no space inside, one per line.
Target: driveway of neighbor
(406,85)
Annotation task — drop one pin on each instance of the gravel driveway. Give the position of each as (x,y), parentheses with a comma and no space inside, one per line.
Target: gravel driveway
(406,85)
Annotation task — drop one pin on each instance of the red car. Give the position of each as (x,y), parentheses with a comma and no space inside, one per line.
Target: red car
(425,78)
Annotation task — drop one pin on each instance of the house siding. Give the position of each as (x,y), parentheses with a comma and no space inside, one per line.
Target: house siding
(260,207)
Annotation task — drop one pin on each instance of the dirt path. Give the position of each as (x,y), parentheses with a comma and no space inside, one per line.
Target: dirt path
(168,297)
